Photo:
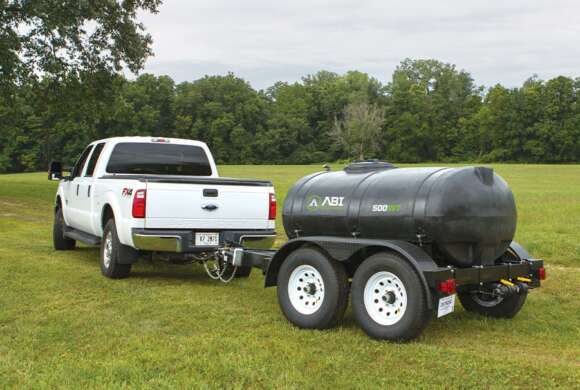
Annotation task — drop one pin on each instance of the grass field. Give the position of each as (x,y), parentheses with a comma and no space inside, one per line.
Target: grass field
(64,325)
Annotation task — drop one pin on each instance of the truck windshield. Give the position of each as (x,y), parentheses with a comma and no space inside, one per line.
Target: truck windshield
(159,159)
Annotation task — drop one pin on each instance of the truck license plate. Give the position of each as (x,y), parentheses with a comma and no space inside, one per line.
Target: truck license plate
(207,239)
(446,305)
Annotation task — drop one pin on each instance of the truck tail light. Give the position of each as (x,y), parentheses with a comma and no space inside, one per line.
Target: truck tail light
(272,208)
(542,273)
(139,204)
(447,287)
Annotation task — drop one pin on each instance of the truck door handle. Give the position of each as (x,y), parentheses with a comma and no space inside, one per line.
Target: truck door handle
(89,192)
(210,192)
(209,207)
(77,190)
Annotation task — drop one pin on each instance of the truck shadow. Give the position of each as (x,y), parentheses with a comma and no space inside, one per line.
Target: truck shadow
(186,275)
(145,269)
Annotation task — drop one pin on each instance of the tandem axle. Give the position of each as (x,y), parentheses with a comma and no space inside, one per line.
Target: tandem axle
(401,291)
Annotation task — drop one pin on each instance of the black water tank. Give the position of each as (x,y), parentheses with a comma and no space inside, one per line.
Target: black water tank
(468,214)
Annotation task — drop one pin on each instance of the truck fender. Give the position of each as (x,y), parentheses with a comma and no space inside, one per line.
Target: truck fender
(113,202)
(343,249)
(59,198)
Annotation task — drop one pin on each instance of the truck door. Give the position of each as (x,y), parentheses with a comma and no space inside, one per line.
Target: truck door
(86,205)
(73,192)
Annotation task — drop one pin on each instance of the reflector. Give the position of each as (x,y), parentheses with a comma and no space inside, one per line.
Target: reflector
(447,287)
(542,273)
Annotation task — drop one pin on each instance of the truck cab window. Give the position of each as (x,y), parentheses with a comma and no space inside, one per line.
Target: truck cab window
(78,168)
(159,159)
(93,160)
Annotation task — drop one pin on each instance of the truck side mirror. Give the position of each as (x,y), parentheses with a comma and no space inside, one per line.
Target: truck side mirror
(55,170)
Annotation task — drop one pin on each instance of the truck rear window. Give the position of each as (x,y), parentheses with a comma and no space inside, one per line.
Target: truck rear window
(159,159)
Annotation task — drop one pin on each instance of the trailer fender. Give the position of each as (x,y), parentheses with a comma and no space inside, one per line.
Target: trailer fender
(343,249)
(520,251)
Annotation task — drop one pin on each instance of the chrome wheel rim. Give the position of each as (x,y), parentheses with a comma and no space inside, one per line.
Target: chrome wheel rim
(385,298)
(306,289)
(108,250)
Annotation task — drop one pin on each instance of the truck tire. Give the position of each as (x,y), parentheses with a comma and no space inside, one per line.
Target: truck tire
(494,307)
(312,289)
(59,241)
(389,301)
(111,250)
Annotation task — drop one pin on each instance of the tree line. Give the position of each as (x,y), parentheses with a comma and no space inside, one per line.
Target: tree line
(428,111)
(61,87)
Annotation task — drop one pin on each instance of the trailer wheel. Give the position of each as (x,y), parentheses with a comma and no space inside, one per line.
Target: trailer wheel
(59,241)
(388,298)
(312,289)
(496,307)
(111,249)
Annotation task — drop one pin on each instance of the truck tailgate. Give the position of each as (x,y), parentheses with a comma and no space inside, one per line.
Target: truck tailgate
(185,205)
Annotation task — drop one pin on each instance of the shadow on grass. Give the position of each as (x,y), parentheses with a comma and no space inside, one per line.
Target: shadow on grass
(169,275)
(452,329)
(145,269)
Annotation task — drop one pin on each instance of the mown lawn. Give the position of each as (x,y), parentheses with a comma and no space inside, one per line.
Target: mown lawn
(64,325)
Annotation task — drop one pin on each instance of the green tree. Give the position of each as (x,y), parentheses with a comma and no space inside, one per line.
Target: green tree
(287,129)
(438,96)
(358,129)
(57,38)
(223,111)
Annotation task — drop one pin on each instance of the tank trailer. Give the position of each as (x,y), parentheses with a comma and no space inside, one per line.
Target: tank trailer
(402,242)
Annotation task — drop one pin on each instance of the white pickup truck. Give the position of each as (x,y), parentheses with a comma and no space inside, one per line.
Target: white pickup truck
(163,196)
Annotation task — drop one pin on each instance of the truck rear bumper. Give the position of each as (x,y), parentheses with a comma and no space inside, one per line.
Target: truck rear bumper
(183,241)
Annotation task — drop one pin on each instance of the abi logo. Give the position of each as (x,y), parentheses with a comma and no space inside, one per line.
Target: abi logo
(315,202)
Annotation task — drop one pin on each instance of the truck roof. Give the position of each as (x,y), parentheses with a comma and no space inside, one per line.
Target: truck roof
(147,139)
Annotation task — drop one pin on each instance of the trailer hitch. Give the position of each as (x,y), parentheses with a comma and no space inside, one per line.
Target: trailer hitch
(225,264)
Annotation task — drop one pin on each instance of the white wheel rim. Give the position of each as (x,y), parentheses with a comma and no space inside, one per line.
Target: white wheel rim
(108,251)
(385,298)
(306,289)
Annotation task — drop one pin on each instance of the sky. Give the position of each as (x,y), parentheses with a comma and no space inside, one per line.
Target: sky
(264,41)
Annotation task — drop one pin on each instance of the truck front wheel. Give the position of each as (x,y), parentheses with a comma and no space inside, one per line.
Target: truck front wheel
(312,289)
(59,241)
(388,299)
(111,250)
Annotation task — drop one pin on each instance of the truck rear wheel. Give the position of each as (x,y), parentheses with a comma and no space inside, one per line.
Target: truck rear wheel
(59,241)
(312,289)
(111,249)
(496,307)
(388,299)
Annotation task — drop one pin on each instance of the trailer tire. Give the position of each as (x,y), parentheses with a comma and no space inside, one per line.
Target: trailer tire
(389,301)
(111,249)
(506,307)
(59,241)
(312,289)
